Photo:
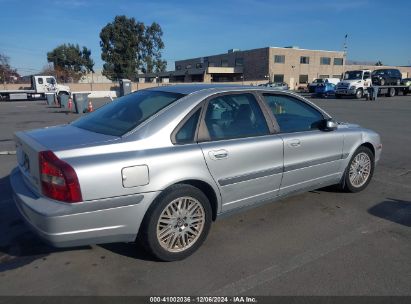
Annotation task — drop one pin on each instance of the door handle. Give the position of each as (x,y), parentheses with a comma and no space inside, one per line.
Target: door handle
(294,143)
(218,154)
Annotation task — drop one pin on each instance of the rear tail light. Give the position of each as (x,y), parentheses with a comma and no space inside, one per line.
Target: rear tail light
(58,179)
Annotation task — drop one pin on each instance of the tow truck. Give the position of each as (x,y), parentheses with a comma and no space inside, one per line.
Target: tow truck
(357,83)
(40,85)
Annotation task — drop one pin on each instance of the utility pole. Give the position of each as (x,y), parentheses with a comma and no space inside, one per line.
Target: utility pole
(345,49)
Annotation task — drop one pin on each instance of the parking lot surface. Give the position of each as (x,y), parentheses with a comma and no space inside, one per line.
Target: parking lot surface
(319,243)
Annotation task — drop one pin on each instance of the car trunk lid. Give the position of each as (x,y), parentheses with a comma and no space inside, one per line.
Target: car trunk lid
(30,143)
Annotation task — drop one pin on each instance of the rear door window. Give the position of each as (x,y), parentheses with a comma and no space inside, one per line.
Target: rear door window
(187,132)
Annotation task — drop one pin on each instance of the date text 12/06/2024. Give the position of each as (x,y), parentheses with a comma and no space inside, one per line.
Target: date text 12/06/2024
(200,299)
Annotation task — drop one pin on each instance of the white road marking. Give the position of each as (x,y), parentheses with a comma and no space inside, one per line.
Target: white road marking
(7,152)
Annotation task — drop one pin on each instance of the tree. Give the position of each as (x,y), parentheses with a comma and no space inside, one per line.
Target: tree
(152,50)
(48,70)
(7,73)
(69,62)
(128,46)
(379,63)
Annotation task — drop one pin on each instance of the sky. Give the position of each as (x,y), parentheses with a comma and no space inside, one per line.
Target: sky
(377,29)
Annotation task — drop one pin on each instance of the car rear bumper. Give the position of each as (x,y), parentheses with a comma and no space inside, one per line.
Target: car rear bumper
(91,222)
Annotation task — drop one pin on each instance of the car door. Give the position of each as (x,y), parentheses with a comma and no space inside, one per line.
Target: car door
(312,157)
(243,155)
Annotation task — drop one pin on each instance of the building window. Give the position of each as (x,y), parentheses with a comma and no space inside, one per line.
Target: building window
(279,58)
(324,76)
(325,60)
(224,62)
(188,66)
(303,79)
(305,60)
(239,62)
(337,76)
(199,65)
(278,78)
(178,67)
(338,61)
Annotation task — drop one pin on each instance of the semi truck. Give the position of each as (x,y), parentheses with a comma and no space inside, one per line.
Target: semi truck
(356,83)
(40,85)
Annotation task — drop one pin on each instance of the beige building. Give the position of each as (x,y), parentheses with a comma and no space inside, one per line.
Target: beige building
(292,65)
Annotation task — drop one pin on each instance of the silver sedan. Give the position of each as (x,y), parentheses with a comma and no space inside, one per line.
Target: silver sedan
(159,165)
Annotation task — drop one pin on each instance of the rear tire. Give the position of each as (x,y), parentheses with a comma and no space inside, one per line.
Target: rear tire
(359,171)
(177,223)
(391,92)
(337,96)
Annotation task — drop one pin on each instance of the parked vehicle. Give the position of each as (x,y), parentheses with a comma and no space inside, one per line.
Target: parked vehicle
(276,85)
(384,77)
(407,83)
(159,165)
(40,85)
(325,90)
(355,83)
(319,81)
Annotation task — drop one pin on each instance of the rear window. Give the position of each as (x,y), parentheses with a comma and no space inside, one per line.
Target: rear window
(126,113)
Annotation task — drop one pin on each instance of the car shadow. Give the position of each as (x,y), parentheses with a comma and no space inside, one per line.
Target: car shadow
(333,189)
(19,246)
(394,210)
(131,250)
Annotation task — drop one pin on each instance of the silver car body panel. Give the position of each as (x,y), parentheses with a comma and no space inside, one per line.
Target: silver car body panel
(241,172)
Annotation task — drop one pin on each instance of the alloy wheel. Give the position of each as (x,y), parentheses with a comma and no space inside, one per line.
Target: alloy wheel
(180,224)
(360,170)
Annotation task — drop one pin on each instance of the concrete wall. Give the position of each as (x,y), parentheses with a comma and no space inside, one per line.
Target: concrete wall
(80,87)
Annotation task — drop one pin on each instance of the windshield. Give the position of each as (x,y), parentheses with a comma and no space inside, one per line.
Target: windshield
(379,72)
(352,75)
(125,113)
(319,80)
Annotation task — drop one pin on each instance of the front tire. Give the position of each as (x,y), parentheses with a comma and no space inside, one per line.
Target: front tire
(359,94)
(177,223)
(359,171)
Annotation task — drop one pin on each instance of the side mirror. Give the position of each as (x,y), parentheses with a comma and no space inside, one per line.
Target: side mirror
(329,125)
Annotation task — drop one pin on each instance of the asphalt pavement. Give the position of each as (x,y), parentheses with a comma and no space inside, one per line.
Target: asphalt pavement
(319,243)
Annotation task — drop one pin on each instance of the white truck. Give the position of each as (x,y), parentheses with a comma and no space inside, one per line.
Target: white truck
(40,85)
(356,83)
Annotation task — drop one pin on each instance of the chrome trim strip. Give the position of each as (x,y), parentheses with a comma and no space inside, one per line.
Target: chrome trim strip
(312,163)
(278,170)
(249,176)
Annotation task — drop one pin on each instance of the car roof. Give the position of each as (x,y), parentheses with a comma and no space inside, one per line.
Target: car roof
(192,88)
